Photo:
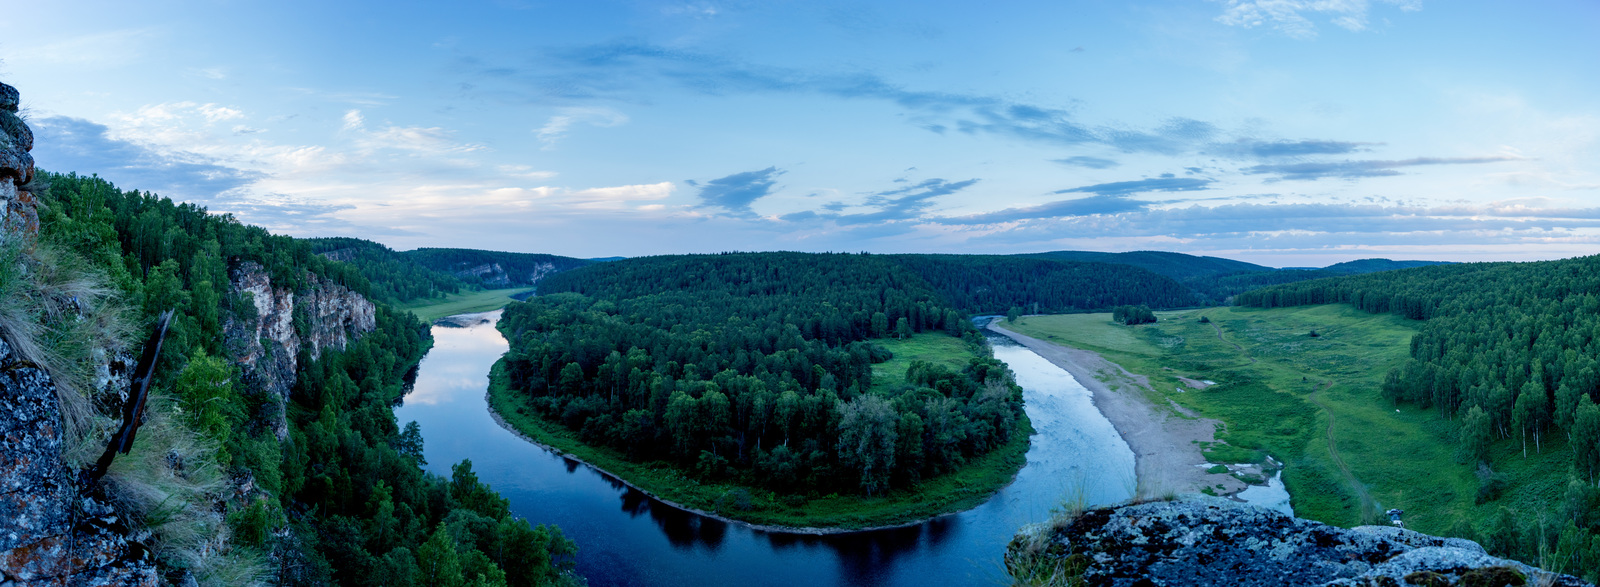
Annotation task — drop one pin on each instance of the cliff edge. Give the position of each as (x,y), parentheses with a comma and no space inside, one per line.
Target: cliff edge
(1213,541)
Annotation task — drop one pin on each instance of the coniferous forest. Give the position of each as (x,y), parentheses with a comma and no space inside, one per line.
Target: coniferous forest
(758,367)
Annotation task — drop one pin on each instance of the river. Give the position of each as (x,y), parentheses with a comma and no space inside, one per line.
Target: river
(626,538)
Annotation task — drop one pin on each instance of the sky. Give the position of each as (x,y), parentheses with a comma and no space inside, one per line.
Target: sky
(1280,132)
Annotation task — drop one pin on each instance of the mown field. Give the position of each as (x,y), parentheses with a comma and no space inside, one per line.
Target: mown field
(1312,403)
(462,303)
(962,489)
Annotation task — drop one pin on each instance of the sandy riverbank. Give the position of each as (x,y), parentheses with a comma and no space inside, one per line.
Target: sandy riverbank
(1166,452)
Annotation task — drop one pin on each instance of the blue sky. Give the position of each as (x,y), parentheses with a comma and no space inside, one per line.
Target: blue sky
(1283,132)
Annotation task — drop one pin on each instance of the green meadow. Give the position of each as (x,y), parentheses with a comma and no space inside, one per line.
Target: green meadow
(1313,403)
(431,309)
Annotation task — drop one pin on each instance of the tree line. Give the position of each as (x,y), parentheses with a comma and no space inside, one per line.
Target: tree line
(394,277)
(344,500)
(758,368)
(1509,352)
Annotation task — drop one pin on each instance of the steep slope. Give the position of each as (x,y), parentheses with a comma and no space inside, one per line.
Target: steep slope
(393,277)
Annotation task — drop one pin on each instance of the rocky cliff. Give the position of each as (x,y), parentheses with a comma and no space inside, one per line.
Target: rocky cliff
(1212,541)
(267,342)
(49,533)
(17,215)
(494,276)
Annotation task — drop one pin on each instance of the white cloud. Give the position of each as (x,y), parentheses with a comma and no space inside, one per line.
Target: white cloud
(353,120)
(556,128)
(1289,16)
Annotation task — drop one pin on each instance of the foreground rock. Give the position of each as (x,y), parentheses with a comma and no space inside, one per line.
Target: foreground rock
(1210,541)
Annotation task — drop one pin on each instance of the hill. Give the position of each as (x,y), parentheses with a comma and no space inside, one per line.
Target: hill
(1178,266)
(1360,266)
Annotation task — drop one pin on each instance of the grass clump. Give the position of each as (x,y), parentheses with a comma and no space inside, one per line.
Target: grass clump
(58,313)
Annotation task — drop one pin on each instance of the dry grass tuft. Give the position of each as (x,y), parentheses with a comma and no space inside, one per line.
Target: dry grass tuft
(58,313)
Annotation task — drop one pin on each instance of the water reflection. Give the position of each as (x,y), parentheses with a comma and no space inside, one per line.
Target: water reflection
(626,538)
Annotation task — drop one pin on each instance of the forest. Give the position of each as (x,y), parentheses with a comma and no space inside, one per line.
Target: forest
(756,367)
(992,284)
(1506,351)
(343,500)
(393,277)
(514,269)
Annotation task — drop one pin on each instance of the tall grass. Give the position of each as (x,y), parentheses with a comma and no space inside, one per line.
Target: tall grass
(58,313)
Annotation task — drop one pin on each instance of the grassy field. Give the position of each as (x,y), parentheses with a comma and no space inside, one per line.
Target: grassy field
(957,491)
(938,349)
(1310,402)
(462,303)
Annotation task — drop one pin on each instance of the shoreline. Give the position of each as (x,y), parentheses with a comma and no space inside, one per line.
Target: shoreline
(1166,455)
(809,531)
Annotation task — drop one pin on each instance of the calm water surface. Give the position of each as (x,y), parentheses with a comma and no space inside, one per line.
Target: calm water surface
(626,538)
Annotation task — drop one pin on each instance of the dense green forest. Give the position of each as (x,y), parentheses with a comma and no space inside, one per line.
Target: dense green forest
(758,367)
(992,284)
(1509,352)
(393,277)
(343,501)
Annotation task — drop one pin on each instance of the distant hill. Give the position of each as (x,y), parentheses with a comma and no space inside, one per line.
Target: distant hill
(403,276)
(395,277)
(1178,266)
(995,283)
(1360,266)
(494,269)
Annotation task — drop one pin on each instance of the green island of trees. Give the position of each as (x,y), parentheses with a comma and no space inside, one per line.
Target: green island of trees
(743,384)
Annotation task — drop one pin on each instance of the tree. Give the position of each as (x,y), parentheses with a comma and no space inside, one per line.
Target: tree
(205,392)
(437,561)
(867,435)
(1475,435)
(1586,438)
(902,328)
(1012,314)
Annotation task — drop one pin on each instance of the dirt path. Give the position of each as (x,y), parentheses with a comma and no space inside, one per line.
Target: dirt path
(1235,344)
(1166,449)
(1369,508)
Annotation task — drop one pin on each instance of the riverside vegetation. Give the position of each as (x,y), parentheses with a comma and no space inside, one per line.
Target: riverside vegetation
(1463,394)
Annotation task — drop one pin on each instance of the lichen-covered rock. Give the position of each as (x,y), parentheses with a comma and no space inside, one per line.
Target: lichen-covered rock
(267,344)
(48,534)
(1210,541)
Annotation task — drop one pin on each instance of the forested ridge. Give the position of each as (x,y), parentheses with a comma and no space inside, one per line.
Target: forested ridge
(514,269)
(992,284)
(343,500)
(758,367)
(1509,352)
(393,277)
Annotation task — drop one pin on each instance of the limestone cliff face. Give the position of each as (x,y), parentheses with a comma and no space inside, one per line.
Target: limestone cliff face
(1212,541)
(268,345)
(49,535)
(493,275)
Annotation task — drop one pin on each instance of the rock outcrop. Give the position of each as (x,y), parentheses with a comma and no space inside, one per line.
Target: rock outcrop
(17,214)
(267,344)
(493,275)
(49,535)
(1212,541)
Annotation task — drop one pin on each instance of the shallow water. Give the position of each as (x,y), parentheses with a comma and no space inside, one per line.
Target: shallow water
(626,538)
